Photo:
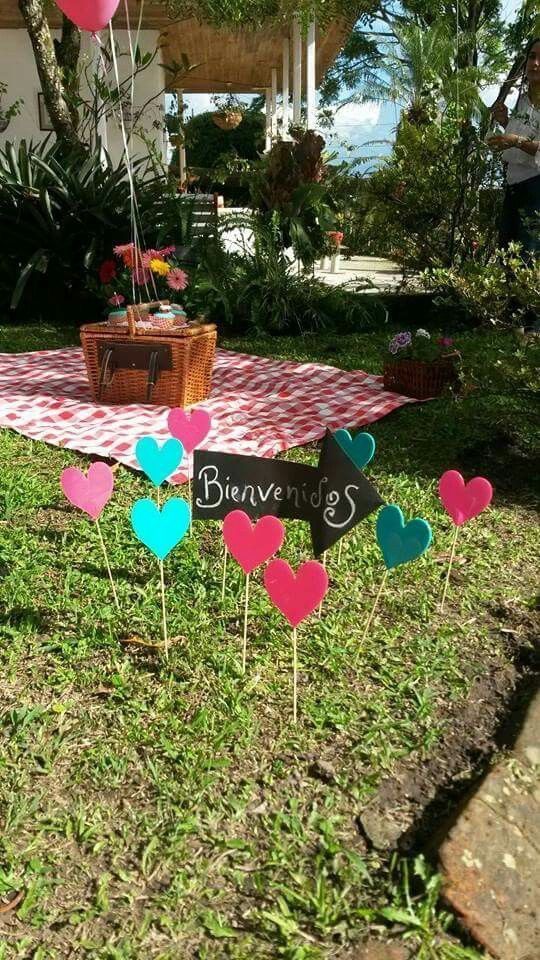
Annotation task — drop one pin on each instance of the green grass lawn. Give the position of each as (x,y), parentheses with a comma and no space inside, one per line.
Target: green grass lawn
(172,811)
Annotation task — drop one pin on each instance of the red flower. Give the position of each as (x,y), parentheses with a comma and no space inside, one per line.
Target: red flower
(335,237)
(107,271)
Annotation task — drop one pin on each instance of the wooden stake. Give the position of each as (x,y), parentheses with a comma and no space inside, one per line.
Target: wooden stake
(109,571)
(447,581)
(164,611)
(295,673)
(375,605)
(224,580)
(244,646)
(340,550)
(319,613)
(189,497)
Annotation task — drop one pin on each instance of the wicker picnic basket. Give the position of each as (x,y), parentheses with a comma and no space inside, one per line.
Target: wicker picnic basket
(170,367)
(421,379)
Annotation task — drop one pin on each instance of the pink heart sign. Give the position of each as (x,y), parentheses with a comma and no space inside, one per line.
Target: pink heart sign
(461,500)
(189,428)
(296,595)
(90,493)
(252,544)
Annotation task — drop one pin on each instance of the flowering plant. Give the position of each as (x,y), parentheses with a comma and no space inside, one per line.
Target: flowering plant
(335,237)
(419,345)
(154,273)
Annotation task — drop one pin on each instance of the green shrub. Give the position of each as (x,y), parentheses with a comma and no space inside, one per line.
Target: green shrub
(259,291)
(427,205)
(505,290)
(61,215)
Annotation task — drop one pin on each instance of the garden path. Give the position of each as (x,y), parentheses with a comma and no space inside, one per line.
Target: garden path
(372,273)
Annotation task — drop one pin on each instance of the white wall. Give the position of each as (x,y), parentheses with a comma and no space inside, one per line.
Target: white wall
(18,71)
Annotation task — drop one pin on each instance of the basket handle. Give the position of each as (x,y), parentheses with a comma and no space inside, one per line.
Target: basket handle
(134,313)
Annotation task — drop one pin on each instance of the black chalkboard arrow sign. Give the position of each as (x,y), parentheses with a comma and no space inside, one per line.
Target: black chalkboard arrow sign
(332,497)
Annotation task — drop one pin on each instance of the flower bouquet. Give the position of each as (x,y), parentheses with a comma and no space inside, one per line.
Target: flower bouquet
(420,366)
(151,275)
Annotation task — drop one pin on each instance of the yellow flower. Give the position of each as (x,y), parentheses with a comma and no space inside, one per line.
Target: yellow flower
(159,267)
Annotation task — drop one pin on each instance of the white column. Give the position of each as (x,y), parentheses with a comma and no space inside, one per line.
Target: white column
(285,87)
(268,141)
(311,91)
(297,72)
(274,104)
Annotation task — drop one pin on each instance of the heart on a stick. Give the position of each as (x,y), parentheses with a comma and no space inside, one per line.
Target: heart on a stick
(158,462)
(160,529)
(399,541)
(90,493)
(461,500)
(360,450)
(190,428)
(252,544)
(296,595)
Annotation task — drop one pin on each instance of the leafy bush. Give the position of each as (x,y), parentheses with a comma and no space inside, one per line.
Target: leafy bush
(425,203)
(291,189)
(61,216)
(259,291)
(505,290)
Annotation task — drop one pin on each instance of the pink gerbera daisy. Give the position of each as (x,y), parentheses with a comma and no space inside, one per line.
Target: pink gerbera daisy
(148,255)
(166,252)
(126,251)
(177,279)
(141,275)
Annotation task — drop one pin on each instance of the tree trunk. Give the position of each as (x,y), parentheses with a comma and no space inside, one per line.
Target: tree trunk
(50,74)
(67,51)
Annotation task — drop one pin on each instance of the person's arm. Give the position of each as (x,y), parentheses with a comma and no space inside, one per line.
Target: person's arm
(532,147)
(504,141)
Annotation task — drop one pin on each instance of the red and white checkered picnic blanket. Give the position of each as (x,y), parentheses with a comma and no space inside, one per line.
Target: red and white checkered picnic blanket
(259,406)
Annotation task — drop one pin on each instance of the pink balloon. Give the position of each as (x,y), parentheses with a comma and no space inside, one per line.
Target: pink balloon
(461,500)
(91,15)
(252,544)
(296,595)
(90,493)
(189,428)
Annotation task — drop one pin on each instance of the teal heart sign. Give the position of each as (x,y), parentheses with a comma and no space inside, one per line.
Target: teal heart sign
(160,530)
(400,541)
(158,462)
(360,450)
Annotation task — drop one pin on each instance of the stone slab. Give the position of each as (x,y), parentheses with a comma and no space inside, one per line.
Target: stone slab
(491,858)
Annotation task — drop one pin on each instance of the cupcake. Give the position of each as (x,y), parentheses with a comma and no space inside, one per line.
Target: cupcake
(117,317)
(164,317)
(180,316)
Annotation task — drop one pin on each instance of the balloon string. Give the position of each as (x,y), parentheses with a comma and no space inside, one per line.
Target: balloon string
(134,237)
(132,49)
(129,167)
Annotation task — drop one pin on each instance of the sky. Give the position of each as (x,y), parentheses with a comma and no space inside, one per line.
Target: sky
(366,127)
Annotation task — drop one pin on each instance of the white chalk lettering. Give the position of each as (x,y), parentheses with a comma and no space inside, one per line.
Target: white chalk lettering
(333,501)
(208,476)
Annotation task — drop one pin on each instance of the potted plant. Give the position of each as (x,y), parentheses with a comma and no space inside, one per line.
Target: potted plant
(229,111)
(420,366)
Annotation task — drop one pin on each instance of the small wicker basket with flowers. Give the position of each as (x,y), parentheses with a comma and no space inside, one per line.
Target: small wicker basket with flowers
(421,367)
(147,352)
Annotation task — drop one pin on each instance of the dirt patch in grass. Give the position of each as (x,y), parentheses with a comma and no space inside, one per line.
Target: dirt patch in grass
(415,804)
